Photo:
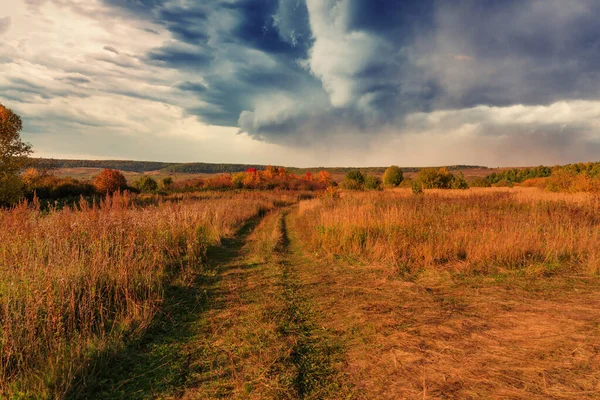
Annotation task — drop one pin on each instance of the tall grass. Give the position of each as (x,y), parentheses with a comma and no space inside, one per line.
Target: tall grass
(484,231)
(77,282)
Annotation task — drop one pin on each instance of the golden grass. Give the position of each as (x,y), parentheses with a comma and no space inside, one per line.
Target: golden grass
(484,230)
(76,283)
(497,297)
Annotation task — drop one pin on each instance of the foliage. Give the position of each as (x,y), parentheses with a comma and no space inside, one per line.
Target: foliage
(146,183)
(459,182)
(393,176)
(206,168)
(46,186)
(268,179)
(167,182)
(434,178)
(417,188)
(372,182)
(110,181)
(355,175)
(14,156)
(516,175)
(351,184)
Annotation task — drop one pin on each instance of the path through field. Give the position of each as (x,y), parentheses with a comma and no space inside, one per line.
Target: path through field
(271,320)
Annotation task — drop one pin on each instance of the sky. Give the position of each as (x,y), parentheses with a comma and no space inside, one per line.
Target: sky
(306,82)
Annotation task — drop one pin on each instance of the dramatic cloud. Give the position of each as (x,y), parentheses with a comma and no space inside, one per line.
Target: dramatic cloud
(316,81)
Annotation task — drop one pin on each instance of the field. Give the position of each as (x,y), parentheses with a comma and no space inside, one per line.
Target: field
(449,294)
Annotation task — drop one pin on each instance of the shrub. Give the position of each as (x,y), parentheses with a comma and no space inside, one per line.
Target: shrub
(351,184)
(459,182)
(435,178)
(110,181)
(417,188)
(167,182)
(356,175)
(393,176)
(372,182)
(145,183)
(11,190)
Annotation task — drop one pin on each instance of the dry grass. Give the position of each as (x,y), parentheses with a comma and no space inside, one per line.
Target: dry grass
(76,283)
(485,231)
(497,296)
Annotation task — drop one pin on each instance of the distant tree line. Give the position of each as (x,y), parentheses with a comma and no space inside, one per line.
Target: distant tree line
(514,175)
(122,165)
(208,168)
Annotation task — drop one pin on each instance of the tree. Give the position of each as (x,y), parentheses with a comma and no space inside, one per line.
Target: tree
(324,177)
(146,183)
(459,181)
(356,175)
(372,182)
(393,176)
(109,181)
(435,178)
(14,156)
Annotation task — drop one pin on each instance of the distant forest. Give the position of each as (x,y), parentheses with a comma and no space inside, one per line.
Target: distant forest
(204,168)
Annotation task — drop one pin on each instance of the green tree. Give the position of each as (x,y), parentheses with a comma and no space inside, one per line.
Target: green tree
(146,183)
(372,182)
(356,175)
(14,156)
(435,178)
(459,181)
(393,176)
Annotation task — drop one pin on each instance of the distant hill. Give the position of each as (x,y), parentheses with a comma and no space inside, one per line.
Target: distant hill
(205,168)
(131,166)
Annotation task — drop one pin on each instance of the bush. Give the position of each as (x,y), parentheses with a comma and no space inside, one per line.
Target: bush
(145,183)
(435,178)
(372,182)
(356,175)
(351,184)
(459,182)
(110,181)
(167,182)
(11,190)
(417,188)
(393,176)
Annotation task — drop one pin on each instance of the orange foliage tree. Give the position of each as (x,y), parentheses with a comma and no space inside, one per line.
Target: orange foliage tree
(109,181)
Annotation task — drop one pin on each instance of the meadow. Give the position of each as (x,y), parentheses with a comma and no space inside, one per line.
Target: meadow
(476,231)
(477,293)
(77,282)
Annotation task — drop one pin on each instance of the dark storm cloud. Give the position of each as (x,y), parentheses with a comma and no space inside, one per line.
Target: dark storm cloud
(363,65)
(529,52)
(178,57)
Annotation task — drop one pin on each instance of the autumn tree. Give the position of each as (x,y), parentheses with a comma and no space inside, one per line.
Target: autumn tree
(435,178)
(14,156)
(109,181)
(324,177)
(393,176)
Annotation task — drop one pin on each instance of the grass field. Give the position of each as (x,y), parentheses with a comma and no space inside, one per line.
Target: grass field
(479,293)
